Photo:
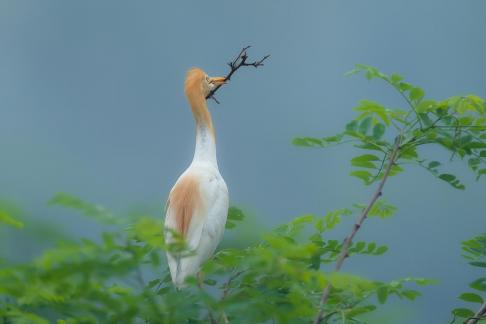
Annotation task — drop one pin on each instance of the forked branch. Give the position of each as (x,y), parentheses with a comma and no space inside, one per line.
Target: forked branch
(349,239)
(235,64)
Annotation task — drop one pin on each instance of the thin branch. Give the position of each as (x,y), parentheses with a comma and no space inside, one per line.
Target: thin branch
(480,314)
(407,100)
(200,284)
(228,283)
(347,242)
(226,291)
(238,62)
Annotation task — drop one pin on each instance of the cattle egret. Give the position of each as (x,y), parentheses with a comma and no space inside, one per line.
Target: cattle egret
(198,203)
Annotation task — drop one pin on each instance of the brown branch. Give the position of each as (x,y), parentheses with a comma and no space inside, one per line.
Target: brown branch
(238,62)
(349,239)
(478,316)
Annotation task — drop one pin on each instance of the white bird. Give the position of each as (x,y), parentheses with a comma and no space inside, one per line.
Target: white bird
(198,203)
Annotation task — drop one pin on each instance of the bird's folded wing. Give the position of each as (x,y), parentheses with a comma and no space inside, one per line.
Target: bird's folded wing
(185,210)
(197,203)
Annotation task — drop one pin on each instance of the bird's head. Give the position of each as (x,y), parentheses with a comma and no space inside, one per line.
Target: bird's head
(198,82)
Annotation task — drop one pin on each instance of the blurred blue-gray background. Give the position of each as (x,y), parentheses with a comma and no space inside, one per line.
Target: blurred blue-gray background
(91,103)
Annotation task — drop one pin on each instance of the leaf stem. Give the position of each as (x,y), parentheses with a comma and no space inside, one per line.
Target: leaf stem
(347,242)
(407,100)
(381,167)
(226,291)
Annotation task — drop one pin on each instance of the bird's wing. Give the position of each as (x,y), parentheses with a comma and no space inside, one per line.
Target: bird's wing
(184,209)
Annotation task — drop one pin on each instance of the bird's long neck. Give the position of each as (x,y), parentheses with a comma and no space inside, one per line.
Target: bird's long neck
(205,139)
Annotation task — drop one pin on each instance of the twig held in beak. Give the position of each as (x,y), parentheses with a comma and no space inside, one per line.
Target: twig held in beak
(238,62)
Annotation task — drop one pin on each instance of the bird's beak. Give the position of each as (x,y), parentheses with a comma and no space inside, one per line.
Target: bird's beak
(218,80)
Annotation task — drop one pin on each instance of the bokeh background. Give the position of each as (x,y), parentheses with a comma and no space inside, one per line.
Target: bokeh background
(91,103)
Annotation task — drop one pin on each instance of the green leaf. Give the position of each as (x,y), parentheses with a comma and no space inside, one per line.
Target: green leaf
(230,225)
(9,220)
(382,209)
(474,163)
(150,231)
(463,312)
(352,126)
(331,219)
(364,161)
(379,130)
(307,142)
(96,212)
(382,294)
(359,246)
(426,106)
(404,86)
(472,298)
(416,94)
(478,284)
(395,169)
(473,145)
(119,290)
(451,179)
(360,310)
(381,250)
(480,173)
(447,177)
(370,108)
(371,247)
(480,264)
(396,78)
(235,214)
(363,175)
(364,125)
(409,153)
(370,71)
(411,294)
(433,164)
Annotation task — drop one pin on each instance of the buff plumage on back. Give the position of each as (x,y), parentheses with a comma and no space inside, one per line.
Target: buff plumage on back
(184,201)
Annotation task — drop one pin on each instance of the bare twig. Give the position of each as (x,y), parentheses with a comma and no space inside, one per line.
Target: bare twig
(238,62)
(480,314)
(349,239)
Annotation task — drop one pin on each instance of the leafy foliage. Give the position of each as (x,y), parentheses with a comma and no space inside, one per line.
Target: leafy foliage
(121,276)
(391,138)
(474,251)
(458,124)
